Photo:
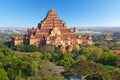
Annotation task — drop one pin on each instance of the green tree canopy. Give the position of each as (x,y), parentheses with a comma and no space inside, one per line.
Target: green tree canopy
(107,58)
(25,48)
(3,74)
(66,59)
(47,49)
(86,69)
(91,52)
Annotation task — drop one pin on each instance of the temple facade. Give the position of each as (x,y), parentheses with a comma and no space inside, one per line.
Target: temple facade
(52,30)
(108,36)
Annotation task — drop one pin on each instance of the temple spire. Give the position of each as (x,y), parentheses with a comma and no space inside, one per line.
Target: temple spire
(51,13)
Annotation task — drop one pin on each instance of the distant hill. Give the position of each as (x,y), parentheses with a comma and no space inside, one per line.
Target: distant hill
(13,28)
(106,28)
(99,28)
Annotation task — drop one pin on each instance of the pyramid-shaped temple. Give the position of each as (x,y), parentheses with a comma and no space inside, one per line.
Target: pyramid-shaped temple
(52,30)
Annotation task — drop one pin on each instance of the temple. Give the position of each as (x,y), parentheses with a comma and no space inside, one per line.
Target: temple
(108,36)
(52,30)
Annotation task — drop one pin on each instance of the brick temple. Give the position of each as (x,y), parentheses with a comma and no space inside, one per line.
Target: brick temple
(108,36)
(52,30)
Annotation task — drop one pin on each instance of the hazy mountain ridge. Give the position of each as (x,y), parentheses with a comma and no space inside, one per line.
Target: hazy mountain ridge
(79,28)
(99,28)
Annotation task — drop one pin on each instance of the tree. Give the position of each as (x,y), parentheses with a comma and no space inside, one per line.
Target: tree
(114,72)
(3,74)
(118,61)
(81,58)
(46,56)
(115,75)
(107,58)
(15,67)
(1,54)
(19,48)
(25,48)
(47,49)
(47,68)
(76,53)
(34,67)
(91,52)
(66,59)
(56,57)
(87,69)
(30,48)
(5,52)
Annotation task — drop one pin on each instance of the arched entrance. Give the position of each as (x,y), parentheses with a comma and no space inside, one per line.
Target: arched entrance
(59,45)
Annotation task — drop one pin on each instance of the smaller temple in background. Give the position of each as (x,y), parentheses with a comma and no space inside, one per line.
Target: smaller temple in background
(108,36)
(52,30)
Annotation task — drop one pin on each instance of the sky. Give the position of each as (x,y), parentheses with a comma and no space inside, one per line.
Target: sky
(76,13)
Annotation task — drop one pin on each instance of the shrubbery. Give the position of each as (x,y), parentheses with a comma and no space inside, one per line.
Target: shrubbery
(51,60)
(47,49)
(25,48)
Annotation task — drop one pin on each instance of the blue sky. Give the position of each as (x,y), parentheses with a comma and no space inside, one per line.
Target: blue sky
(76,13)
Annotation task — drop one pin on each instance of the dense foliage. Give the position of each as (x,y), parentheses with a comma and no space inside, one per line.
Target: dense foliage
(25,66)
(91,62)
(87,69)
(25,48)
